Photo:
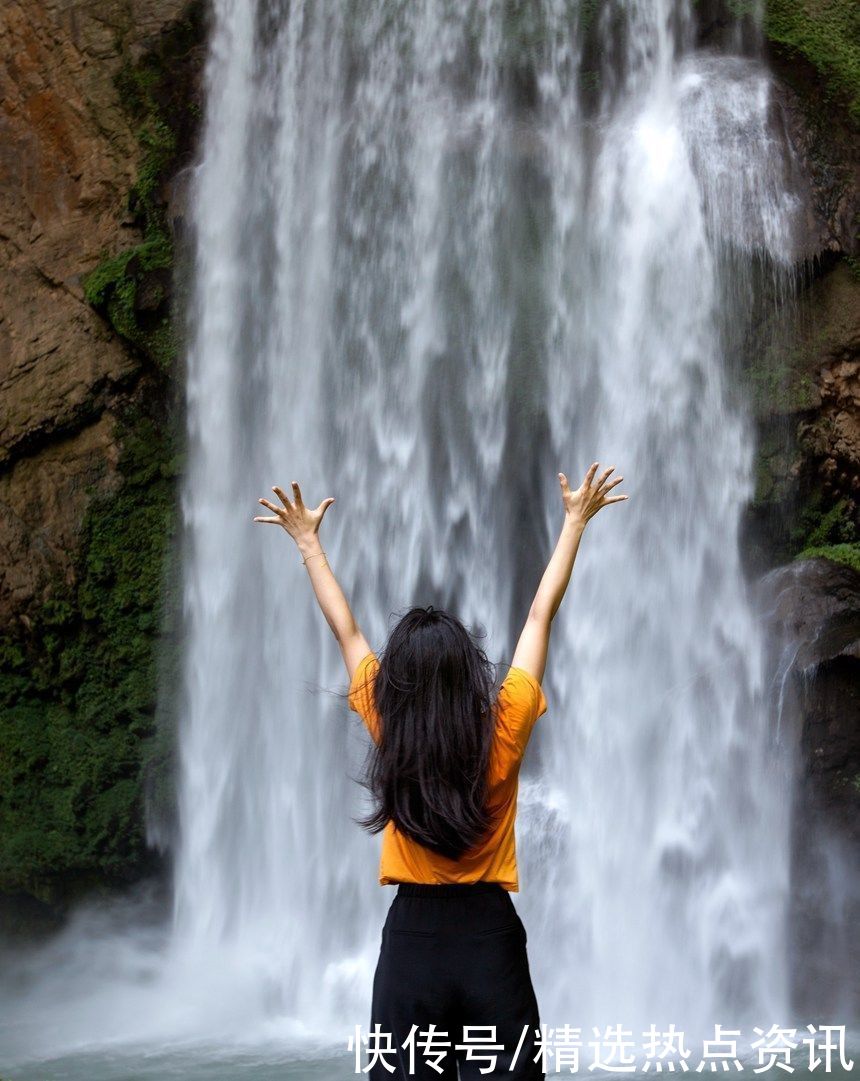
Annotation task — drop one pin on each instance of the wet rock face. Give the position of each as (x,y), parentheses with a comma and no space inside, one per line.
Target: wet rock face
(809,49)
(804,354)
(814,616)
(831,164)
(69,157)
(804,384)
(821,339)
(814,613)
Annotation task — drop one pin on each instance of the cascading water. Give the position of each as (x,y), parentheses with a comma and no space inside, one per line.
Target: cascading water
(443,251)
(421,295)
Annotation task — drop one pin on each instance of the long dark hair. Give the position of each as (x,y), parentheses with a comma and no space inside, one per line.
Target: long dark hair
(434,696)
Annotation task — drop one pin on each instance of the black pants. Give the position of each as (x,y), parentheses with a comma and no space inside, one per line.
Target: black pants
(454,956)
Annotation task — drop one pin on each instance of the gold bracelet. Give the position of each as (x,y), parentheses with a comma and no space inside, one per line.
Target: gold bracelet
(314,554)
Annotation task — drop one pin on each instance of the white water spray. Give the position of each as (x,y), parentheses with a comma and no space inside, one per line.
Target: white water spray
(407,304)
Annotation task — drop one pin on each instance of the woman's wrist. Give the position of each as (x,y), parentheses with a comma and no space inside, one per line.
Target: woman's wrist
(573,523)
(309,546)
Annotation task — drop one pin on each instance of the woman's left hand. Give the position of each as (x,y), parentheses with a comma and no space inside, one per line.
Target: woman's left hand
(299,521)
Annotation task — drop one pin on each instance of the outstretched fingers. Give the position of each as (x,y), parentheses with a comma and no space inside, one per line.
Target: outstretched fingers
(277,520)
(279,492)
(605,498)
(612,498)
(278,510)
(592,495)
(611,485)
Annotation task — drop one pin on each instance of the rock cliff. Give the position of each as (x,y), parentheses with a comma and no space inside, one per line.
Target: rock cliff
(92,132)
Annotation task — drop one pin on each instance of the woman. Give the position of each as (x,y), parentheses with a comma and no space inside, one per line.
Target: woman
(444,772)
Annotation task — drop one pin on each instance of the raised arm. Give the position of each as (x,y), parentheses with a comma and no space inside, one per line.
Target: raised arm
(303,526)
(579,507)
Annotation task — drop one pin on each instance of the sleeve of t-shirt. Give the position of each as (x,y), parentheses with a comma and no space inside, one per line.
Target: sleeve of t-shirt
(361,693)
(521,701)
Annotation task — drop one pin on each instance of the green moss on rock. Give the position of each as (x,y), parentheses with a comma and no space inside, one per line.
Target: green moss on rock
(831,527)
(86,740)
(790,348)
(827,33)
(791,361)
(78,694)
(133,290)
(818,528)
(838,553)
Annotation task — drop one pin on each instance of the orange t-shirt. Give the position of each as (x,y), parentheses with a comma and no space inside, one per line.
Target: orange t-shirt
(520,702)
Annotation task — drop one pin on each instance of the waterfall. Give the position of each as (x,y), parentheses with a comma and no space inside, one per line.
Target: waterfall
(444,251)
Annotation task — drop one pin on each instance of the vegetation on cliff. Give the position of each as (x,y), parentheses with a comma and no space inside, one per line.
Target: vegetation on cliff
(77,696)
(803,364)
(827,34)
(80,675)
(801,379)
(133,290)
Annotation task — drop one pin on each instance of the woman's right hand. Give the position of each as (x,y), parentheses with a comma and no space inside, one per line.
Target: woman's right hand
(299,521)
(589,497)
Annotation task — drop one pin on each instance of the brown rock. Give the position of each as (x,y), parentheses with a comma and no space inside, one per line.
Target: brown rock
(832,435)
(68,156)
(43,499)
